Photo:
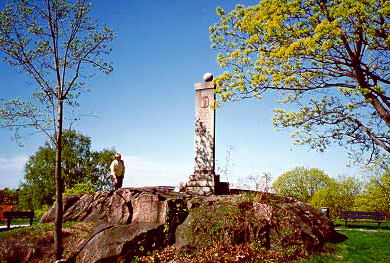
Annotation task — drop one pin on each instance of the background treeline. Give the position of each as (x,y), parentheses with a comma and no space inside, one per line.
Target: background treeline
(83,171)
(314,186)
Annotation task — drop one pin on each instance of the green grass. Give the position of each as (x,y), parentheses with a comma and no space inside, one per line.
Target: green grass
(20,221)
(362,245)
(35,230)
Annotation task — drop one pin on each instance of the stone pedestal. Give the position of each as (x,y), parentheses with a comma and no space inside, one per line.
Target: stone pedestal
(202,184)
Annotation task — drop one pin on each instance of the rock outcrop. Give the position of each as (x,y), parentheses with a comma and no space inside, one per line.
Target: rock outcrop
(131,222)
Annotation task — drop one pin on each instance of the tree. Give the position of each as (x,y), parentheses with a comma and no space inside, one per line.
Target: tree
(301,183)
(57,44)
(377,194)
(340,194)
(99,173)
(39,186)
(328,59)
(81,166)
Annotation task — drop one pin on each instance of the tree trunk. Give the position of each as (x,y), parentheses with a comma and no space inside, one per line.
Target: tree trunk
(59,187)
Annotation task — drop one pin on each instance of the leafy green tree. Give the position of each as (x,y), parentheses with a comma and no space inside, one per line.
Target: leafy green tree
(379,193)
(58,45)
(81,166)
(339,195)
(349,188)
(39,185)
(377,190)
(328,59)
(99,173)
(301,183)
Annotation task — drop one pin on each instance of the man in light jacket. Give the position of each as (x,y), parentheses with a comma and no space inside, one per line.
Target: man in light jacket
(117,171)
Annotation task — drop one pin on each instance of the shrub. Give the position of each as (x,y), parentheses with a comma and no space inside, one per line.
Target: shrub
(80,189)
(39,212)
(231,229)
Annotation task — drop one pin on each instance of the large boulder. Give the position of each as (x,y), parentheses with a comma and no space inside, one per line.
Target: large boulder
(131,222)
(113,206)
(269,220)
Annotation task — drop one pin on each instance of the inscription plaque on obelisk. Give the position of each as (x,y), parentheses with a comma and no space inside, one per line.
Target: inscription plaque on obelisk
(204,180)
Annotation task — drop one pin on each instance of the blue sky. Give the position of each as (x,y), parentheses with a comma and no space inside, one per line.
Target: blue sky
(145,108)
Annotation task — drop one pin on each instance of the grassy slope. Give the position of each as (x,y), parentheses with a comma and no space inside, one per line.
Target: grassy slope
(16,241)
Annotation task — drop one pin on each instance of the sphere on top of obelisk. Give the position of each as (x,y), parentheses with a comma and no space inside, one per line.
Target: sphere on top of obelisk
(207,77)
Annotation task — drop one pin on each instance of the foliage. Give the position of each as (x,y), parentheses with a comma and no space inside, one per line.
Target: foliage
(338,195)
(83,168)
(216,253)
(301,183)
(80,189)
(230,230)
(343,193)
(100,169)
(235,225)
(329,60)
(377,190)
(39,212)
(39,187)
(211,222)
(82,165)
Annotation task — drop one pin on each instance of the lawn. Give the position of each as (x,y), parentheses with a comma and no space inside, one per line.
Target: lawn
(365,243)
(20,221)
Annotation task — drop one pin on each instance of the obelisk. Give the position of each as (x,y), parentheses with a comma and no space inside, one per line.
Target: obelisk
(204,179)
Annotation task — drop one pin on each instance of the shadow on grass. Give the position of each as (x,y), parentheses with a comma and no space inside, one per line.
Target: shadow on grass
(337,237)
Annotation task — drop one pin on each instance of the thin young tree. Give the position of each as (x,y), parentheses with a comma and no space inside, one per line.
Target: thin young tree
(59,46)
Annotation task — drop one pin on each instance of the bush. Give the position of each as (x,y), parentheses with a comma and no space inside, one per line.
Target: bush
(236,222)
(80,189)
(39,213)
(231,230)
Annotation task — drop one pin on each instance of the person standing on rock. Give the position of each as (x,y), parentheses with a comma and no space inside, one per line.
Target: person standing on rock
(117,171)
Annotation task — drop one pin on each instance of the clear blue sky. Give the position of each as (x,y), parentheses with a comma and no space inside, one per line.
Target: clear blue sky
(145,108)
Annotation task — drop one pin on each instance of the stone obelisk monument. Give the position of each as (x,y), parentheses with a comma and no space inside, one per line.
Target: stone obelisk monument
(204,181)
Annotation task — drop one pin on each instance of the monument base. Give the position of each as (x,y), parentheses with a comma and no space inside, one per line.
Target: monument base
(207,185)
